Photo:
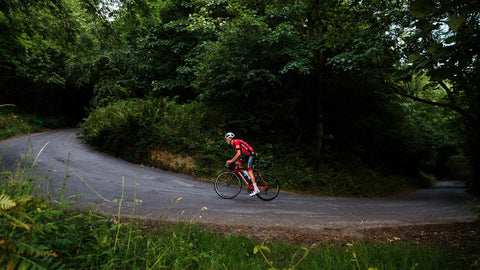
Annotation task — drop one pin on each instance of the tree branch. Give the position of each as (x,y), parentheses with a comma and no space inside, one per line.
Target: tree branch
(398,90)
(445,87)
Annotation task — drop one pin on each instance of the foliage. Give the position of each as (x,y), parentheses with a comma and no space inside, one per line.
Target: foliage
(145,45)
(336,176)
(440,39)
(109,74)
(11,124)
(22,219)
(38,38)
(31,33)
(14,122)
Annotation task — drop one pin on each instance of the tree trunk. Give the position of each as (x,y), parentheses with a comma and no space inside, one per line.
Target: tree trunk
(473,153)
(319,132)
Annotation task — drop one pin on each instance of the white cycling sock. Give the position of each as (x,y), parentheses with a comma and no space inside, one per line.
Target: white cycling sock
(255,186)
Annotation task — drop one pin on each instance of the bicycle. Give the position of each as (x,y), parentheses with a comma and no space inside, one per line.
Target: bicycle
(229,184)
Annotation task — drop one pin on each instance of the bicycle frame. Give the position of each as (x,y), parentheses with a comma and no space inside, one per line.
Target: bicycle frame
(238,170)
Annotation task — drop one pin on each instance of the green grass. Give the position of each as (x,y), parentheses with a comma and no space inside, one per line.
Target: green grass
(41,233)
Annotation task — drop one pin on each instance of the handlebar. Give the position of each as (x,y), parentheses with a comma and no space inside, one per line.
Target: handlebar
(231,166)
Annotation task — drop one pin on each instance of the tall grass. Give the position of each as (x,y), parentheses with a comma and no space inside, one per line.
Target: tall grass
(45,234)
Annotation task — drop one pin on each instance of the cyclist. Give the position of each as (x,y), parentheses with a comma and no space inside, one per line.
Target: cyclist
(248,157)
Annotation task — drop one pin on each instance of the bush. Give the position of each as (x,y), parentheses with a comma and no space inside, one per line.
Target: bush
(12,124)
(146,130)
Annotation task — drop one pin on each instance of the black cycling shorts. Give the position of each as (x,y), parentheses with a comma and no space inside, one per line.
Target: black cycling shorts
(250,160)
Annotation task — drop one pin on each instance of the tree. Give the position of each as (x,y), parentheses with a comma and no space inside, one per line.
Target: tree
(238,72)
(291,53)
(38,38)
(442,41)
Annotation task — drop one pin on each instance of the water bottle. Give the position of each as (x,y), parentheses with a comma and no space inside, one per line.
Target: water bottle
(245,175)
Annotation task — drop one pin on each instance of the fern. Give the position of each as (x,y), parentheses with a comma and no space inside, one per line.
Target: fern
(20,249)
(6,203)
(17,261)
(16,222)
(14,246)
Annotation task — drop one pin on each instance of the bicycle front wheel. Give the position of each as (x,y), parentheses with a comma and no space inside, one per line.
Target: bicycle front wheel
(268,185)
(228,185)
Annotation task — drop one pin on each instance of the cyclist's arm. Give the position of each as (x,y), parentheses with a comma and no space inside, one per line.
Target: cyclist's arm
(237,155)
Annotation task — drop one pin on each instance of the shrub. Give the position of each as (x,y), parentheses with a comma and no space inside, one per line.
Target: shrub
(12,124)
(141,130)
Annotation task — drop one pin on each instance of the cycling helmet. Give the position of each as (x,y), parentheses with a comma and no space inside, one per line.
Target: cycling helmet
(229,135)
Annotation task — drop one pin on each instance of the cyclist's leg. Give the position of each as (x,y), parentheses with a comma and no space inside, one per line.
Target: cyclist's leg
(250,165)
(268,185)
(251,160)
(240,162)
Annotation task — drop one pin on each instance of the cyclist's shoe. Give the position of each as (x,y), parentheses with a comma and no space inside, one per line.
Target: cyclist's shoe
(255,192)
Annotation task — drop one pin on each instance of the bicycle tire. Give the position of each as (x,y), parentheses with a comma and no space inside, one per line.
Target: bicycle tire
(228,185)
(269,187)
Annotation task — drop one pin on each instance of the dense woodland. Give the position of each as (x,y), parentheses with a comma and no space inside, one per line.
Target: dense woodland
(333,93)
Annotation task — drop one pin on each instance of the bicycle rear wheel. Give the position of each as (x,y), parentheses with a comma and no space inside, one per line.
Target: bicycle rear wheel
(268,185)
(228,185)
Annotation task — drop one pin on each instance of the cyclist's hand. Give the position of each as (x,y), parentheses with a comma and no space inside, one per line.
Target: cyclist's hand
(228,162)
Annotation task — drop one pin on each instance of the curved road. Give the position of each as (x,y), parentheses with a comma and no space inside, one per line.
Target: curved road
(94,180)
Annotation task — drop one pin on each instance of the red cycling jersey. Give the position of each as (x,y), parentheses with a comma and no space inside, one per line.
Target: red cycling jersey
(243,146)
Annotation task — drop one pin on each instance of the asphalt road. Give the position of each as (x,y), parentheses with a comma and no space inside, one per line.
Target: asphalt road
(95,180)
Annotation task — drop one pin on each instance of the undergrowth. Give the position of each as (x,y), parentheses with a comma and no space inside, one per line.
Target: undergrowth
(13,122)
(138,130)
